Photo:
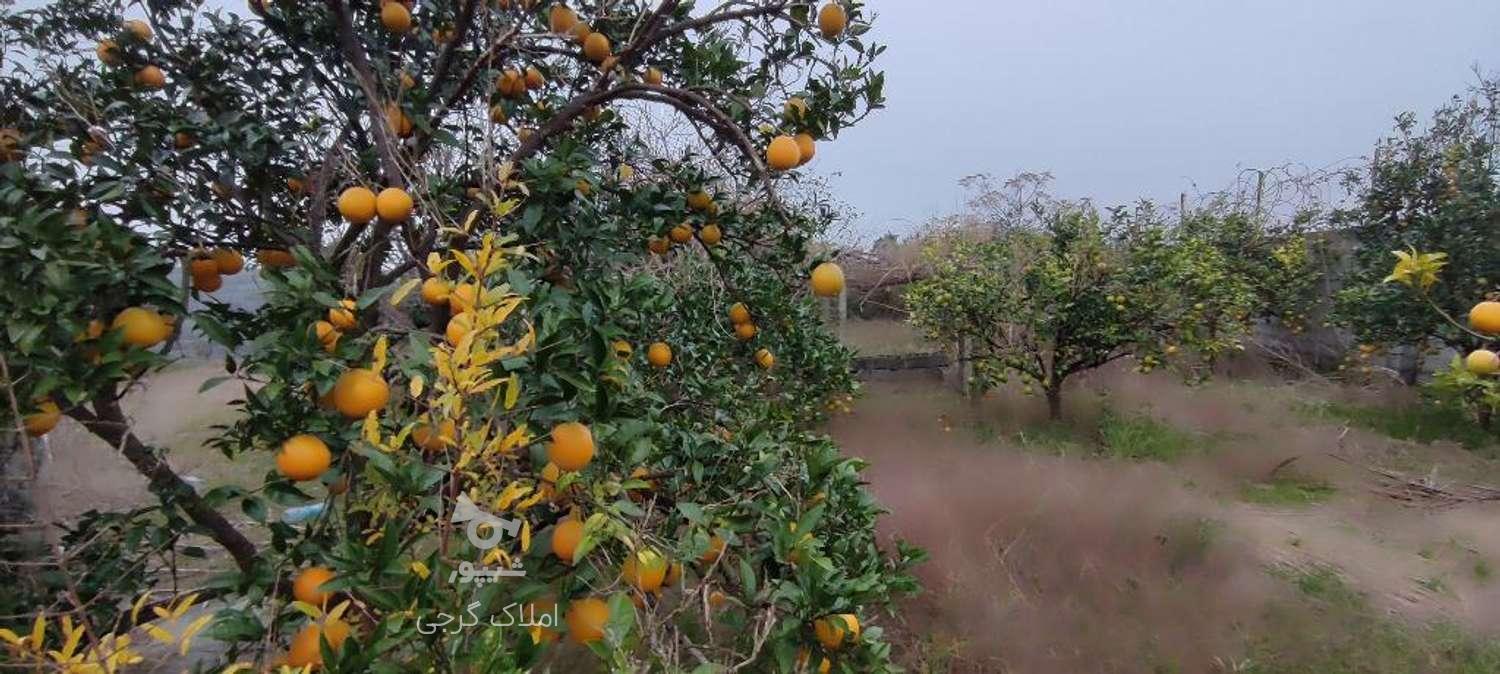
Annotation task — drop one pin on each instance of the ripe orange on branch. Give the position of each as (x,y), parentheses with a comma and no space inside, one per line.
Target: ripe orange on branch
(359,392)
(228,261)
(565,538)
(435,291)
(832,20)
(42,421)
(141,327)
(644,569)
(342,316)
(306,649)
(305,586)
(710,235)
(393,204)
(827,280)
(572,446)
(303,457)
(395,17)
(783,154)
(596,47)
(1485,317)
(586,619)
(151,77)
(357,205)
(1482,362)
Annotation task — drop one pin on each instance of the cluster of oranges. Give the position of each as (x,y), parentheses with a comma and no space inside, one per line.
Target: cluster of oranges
(208,268)
(1484,318)
(148,76)
(139,327)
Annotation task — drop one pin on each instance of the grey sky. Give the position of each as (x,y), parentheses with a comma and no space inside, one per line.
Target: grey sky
(1123,99)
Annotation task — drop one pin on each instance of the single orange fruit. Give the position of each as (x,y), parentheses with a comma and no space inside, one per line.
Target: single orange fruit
(652,76)
(360,392)
(303,457)
(714,551)
(306,649)
(783,154)
(342,317)
(305,586)
(141,327)
(659,354)
(1485,317)
(807,147)
(832,19)
(463,297)
(739,313)
(423,435)
(435,291)
(681,233)
(765,359)
(645,569)
(357,204)
(745,331)
(1482,362)
(572,446)
(393,204)
(42,421)
(395,17)
(710,235)
(561,19)
(228,260)
(208,282)
(151,77)
(586,620)
(828,281)
(565,538)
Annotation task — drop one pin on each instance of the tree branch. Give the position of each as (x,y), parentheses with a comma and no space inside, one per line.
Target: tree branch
(108,422)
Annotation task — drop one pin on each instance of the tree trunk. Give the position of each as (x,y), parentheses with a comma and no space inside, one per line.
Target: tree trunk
(1054,401)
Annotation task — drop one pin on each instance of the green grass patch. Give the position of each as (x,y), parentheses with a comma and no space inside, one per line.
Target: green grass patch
(1142,438)
(1333,630)
(1054,437)
(1424,423)
(1288,489)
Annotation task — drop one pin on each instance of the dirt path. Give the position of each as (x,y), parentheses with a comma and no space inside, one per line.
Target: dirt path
(1072,563)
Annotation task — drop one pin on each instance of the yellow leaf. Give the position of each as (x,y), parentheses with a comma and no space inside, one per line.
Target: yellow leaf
(420,570)
(512,391)
(38,633)
(183,606)
(74,635)
(135,611)
(525,535)
(158,633)
(307,609)
(238,667)
(380,348)
(435,263)
(512,492)
(372,430)
(517,437)
(9,637)
(338,611)
(192,630)
(415,386)
(404,290)
(466,262)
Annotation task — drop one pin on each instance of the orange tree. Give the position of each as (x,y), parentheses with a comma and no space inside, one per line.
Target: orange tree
(1069,291)
(1429,189)
(480,286)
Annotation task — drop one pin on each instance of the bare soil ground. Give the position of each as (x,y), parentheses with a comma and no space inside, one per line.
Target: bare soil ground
(1047,557)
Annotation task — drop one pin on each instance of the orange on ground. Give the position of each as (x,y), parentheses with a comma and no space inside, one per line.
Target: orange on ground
(783,154)
(572,446)
(739,313)
(565,538)
(765,359)
(357,204)
(827,280)
(586,620)
(359,392)
(745,331)
(305,587)
(659,354)
(303,457)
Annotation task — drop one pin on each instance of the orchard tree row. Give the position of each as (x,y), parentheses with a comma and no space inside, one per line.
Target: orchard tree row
(481,284)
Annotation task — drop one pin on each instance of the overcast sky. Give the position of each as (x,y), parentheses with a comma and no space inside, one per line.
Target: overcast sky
(1123,99)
